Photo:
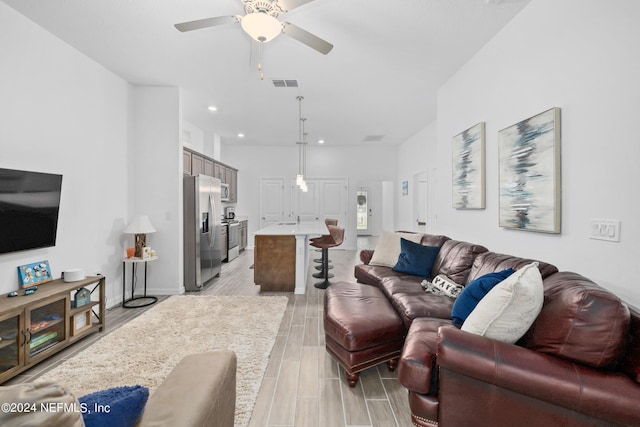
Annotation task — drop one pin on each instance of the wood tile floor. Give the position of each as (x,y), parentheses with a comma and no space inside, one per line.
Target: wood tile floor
(302,386)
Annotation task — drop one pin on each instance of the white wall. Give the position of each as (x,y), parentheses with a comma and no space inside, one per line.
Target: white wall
(156,182)
(212,145)
(192,136)
(580,56)
(361,165)
(415,155)
(63,113)
(388,217)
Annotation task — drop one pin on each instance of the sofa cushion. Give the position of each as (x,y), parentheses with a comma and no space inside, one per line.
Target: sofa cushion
(401,285)
(474,292)
(489,262)
(579,321)
(125,406)
(433,239)
(509,309)
(413,306)
(415,259)
(375,274)
(455,260)
(388,247)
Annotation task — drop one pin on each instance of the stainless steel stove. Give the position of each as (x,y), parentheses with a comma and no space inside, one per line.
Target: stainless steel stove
(233,238)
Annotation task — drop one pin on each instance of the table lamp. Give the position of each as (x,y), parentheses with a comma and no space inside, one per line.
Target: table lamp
(140,226)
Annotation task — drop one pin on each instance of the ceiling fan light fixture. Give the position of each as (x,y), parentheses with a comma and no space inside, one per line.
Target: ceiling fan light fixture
(261,27)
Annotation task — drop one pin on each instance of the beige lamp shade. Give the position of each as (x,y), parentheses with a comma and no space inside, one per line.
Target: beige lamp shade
(140,225)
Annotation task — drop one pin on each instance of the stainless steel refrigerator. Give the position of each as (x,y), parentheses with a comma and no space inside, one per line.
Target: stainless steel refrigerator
(202,214)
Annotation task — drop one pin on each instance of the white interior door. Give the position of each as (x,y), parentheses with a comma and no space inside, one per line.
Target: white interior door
(271,201)
(334,200)
(306,205)
(325,198)
(421,198)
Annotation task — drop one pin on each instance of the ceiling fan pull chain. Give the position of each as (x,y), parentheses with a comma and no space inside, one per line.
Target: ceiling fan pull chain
(260,61)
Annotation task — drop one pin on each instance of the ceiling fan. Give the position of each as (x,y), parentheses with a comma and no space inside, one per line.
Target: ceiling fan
(261,22)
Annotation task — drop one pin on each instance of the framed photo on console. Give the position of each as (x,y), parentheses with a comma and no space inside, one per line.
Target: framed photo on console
(468,168)
(80,322)
(529,169)
(34,274)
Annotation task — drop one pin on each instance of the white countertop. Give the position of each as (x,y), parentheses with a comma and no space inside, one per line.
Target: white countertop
(292,228)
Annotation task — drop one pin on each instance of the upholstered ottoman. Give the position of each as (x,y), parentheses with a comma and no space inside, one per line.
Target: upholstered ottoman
(362,329)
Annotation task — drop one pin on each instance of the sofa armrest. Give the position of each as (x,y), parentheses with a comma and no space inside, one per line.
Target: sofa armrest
(417,370)
(602,394)
(199,391)
(366,255)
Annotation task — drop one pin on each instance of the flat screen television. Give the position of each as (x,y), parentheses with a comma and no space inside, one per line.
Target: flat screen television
(29,205)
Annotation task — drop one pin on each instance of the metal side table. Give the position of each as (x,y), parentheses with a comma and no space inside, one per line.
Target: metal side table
(140,300)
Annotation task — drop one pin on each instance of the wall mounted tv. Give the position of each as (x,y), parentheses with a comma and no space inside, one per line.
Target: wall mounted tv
(29,205)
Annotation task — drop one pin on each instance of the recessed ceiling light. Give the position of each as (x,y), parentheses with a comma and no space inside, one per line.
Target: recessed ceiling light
(241,135)
(321,141)
(212,108)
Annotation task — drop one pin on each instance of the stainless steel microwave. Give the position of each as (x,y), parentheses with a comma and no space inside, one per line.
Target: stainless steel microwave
(224,192)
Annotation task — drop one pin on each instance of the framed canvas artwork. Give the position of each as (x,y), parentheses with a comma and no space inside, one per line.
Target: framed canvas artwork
(468,168)
(529,169)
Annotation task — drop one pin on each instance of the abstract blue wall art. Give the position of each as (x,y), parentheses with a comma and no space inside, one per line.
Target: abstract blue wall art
(529,168)
(468,168)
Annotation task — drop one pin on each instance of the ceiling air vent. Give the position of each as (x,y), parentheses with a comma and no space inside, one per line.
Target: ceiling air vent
(373,138)
(284,83)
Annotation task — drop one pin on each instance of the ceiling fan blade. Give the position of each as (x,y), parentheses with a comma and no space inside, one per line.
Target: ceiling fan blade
(305,37)
(287,5)
(207,22)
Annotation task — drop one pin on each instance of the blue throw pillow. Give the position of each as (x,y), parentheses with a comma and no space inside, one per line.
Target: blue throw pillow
(474,292)
(114,407)
(415,259)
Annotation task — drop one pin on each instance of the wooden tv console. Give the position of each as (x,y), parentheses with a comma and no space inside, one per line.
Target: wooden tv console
(37,326)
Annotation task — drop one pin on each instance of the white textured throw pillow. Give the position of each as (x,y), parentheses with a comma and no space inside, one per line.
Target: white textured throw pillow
(510,308)
(388,247)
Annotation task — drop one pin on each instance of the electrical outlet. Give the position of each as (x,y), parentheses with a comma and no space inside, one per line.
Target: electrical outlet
(603,229)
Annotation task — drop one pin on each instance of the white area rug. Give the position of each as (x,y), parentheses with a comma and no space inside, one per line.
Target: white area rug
(145,350)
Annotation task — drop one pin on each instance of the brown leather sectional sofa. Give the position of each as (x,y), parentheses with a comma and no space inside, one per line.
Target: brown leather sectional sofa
(578,365)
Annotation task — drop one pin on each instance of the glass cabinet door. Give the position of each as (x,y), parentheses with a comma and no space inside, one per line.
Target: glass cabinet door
(363,212)
(10,355)
(46,327)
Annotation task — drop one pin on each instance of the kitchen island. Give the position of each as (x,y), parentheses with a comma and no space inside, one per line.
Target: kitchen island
(281,255)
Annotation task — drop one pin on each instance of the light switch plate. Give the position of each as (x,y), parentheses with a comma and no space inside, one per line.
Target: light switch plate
(605,229)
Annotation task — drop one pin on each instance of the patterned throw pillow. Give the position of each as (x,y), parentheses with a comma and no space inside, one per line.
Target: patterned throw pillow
(442,285)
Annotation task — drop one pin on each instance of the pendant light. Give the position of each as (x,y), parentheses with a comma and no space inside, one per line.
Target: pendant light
(302,149)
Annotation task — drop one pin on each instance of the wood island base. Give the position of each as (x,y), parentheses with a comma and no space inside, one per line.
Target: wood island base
(274,263)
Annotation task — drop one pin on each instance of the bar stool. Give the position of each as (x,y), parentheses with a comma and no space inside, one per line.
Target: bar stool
(334,239)
(319,274)
(327,222)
